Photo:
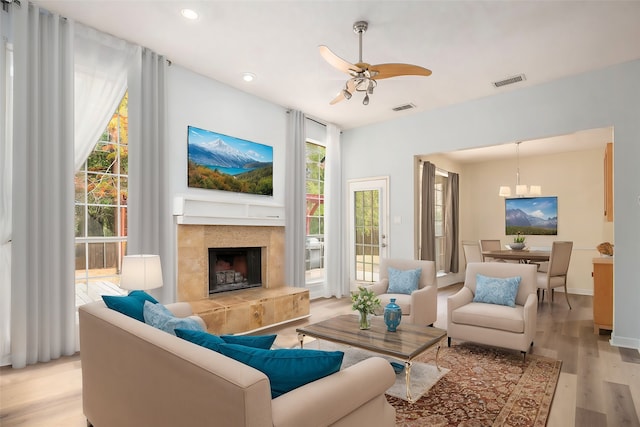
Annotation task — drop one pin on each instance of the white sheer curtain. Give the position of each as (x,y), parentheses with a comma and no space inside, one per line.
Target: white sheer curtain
(149,204)
(295,205)
(6,158)
(42,262)
(336,273)
(101,65)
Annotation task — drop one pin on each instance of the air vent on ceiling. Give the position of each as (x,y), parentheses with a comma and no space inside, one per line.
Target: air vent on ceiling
(404,107)
(510,80)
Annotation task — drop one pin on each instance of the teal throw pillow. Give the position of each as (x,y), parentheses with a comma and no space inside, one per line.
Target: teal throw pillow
(257,341)
(213,342)
(131,305)
(159,316)
(403,281)
(204,339)
(497,290)
(286,368)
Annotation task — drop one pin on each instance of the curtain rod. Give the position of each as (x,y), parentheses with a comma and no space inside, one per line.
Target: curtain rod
(313,119)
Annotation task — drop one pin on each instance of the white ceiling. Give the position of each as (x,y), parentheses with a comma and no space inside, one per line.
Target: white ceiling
(467,44)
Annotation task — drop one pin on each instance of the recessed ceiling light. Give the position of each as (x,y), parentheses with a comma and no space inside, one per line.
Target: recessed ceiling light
(189,13)
(248,77)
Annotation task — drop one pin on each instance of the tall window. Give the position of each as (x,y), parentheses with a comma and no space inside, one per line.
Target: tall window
(101,211)
(314,247)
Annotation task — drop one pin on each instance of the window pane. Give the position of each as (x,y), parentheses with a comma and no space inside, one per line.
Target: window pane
(79,221)
(102,189)
(80,187)
(102,221)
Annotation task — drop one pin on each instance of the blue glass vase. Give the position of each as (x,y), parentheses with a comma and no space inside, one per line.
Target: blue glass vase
(392,315)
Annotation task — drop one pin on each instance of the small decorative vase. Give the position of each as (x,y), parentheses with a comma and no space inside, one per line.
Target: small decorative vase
(392,315)
(517,246)
(365,322)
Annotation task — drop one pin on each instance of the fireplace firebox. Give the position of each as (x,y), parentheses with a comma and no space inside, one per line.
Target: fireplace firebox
(231,269)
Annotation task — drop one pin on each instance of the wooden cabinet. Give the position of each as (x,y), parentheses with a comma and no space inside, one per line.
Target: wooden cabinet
(602,294)
(608,182)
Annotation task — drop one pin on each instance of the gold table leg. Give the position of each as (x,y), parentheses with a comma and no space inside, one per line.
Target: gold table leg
(407,376)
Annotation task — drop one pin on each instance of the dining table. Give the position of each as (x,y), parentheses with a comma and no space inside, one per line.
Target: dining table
(523,256)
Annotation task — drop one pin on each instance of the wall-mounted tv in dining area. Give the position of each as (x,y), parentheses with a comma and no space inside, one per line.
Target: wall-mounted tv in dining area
(532,215)
(222,162)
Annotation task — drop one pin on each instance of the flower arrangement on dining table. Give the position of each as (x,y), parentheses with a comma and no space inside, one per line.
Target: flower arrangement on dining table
(365,302)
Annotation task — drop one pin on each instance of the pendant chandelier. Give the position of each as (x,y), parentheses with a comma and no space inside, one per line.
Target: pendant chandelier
(522,190)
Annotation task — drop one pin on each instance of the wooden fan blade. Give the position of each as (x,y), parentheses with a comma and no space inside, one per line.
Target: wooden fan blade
(337,99)
(337,62)
(393,70)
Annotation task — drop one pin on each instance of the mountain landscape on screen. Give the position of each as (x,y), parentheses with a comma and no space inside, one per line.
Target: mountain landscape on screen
(531,216)
(221,162)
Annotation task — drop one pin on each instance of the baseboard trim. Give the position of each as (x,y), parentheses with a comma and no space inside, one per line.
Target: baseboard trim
(626,342)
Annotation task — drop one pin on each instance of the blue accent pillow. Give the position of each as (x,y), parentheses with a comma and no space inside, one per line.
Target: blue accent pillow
(497,290)
(403,282)
(286,368)
(132,305)
(204,339)
(213,342)
(159,316)
(256,341)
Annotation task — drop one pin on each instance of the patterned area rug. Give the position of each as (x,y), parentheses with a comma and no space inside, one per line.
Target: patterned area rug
(485,387)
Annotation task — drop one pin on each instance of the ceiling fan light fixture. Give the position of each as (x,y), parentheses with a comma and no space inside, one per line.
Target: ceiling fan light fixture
(346,94)
(365,100)
(370,87)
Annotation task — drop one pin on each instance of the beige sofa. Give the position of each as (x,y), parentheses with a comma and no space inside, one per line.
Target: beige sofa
(136,375)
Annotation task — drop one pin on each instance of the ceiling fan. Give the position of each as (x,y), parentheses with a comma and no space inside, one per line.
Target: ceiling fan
(364,76)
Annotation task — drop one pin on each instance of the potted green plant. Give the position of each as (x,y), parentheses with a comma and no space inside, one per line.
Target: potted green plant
(518,242)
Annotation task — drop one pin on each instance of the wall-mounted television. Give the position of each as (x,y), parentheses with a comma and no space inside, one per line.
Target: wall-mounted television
(531,215)
(222,162)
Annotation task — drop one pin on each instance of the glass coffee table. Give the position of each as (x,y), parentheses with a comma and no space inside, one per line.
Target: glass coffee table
(405,344)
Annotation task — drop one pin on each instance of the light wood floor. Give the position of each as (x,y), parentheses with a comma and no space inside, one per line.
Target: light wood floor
(599,384)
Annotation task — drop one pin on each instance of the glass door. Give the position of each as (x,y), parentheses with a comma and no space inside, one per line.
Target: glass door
(368,227)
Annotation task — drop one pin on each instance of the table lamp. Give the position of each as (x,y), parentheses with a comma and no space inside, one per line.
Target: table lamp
(141,272)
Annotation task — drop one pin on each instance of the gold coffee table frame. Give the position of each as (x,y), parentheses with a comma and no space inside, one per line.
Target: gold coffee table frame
(405,344)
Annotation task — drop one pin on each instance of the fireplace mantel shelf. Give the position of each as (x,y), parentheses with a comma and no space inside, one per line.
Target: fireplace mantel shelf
(194,210)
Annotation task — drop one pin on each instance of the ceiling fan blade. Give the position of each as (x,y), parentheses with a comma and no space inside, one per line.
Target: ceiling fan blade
(337,62)
(337,99)
(384,71)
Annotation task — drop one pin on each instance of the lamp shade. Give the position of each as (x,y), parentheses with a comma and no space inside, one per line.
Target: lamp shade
(505,191)
(521,190)
(141,272)
(535,190)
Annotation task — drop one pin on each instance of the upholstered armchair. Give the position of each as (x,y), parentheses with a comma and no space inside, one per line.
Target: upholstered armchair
(495,324)
(420,306)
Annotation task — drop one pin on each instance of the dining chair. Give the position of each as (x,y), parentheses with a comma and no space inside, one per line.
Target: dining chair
(556,274)
(490,245)
(471,251)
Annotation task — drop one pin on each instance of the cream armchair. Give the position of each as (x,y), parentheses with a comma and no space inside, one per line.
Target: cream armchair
(421,307)
(493,324)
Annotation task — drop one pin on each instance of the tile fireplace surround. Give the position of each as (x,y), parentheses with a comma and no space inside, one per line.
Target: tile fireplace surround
(242,310)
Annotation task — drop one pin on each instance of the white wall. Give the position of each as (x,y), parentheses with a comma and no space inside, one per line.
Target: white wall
(199,101)
(602,98)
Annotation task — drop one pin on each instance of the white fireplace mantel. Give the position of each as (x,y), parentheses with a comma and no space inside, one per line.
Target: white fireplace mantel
(201,211)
